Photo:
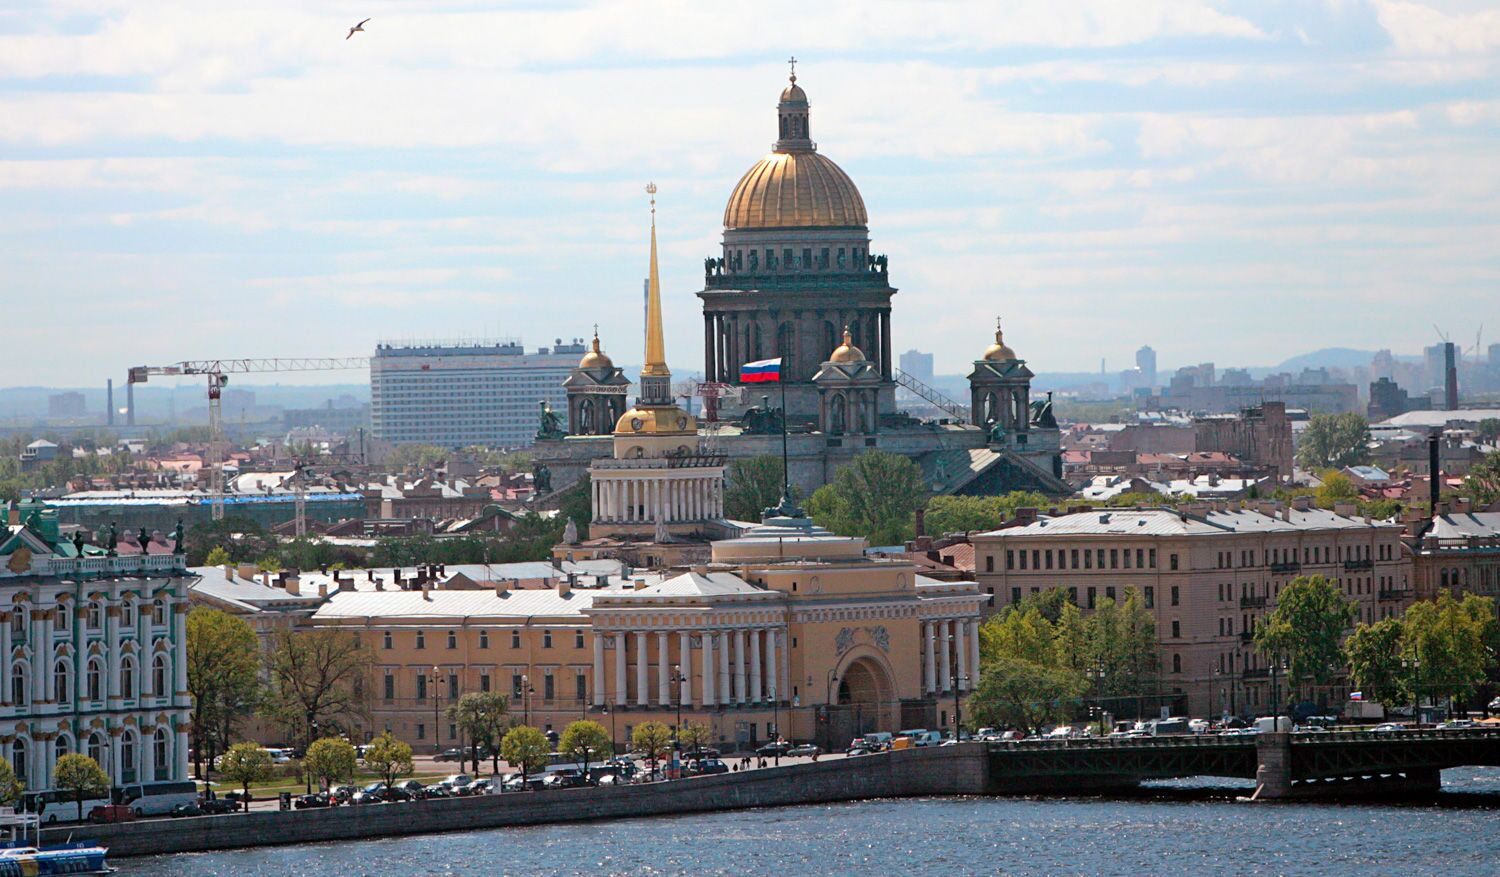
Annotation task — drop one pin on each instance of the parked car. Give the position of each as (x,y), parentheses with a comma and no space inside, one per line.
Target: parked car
(451,755)
(187,809)
(803,749)
(437,790)
(414,788)
(569,778)
(478,787)
(1495,705)
(111,813)
(316,799)
(396,794)
(1388,728)
(774,748)
(374,793)
(456,780)
(709,766)
(611,779)
(342,794)
(515,783)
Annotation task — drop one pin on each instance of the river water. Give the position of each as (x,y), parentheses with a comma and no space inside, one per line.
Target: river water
(1174,830)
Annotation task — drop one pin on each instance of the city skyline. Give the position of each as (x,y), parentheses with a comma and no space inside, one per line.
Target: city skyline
(264,187)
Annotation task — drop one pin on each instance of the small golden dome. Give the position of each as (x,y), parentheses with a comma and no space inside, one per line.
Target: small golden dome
(664,420)
(795,190)
(847,352)
(793,92)
(596,358)
(999,351)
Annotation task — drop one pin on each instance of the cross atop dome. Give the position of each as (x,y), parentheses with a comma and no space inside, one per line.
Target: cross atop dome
(793,112)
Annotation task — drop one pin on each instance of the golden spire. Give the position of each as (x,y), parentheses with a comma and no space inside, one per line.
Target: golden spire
(656,352)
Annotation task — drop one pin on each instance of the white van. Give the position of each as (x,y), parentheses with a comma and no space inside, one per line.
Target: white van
(156,799)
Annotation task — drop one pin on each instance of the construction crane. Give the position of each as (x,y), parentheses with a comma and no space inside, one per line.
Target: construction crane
(217,371)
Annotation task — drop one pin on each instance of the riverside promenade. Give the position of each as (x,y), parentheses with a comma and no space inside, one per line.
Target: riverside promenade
(1284,767)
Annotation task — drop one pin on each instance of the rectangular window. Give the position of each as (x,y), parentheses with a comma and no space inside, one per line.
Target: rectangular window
(1075,558)
(515,639)
(1010,558)
(549,687)
(421,640)
(421,731)
(1114,558)
(484,639)
(1109,592)
(484,682)
(452,639)
(390,687)
(1140,558)
(1036,559)
(1176,595)
(453,686)
(1176,629)
(582,682)
(1150,594)
(1015,595)
(1101,558)
(1172,562)
(515,685)
(421,686)
(1092,597)
(1125,561)
(546,639)
(577,639)
(452,731)
(1023,560)
(386,641)
(1088,559)
(1153,558)
(1073,596)
(1047,558)
(806,258)
(1062,559)
(989,563)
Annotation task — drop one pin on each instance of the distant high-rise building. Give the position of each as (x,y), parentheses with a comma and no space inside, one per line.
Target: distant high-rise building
(453,394)
(918,365)
(65,405)
(1432,366)
(1145,360)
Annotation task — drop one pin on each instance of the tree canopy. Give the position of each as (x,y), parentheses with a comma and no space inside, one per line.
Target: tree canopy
(961,514)
(81,775)
(1333,441)
(1373,652)
(11,787)
(318,676)
(526,749)
(1482,484)
(223,664)
(246,763)
(389,758)
(331,760)
(653,740)
(483,716)
(1023,694)
(1306,630)
(751,486)
(586,742)
(876,495)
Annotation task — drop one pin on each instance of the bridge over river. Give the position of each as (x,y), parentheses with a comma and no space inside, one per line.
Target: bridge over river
(1283,765)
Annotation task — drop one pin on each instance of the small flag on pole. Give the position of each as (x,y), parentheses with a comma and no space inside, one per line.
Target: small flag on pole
(763,371)
(1356,695)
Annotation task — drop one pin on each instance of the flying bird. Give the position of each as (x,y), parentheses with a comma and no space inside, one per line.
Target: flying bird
(358,28)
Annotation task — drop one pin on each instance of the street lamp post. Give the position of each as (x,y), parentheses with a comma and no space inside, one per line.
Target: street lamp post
(828,709)
(678,678)
(525,699)
(1415,665)
(312,726)
(437,737)
(609,712)
(775,723)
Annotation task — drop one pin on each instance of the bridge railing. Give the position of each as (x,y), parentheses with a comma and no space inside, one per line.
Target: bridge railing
(1178,741)
(1360,735)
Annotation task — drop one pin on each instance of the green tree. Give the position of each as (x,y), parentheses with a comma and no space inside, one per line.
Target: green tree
(653,739)
(1021,636)
(1121,647)
(217,556)
(1336,488)
(1489,428)
(1306,630)
(223,664)
(577,503)
(583,739)
(525,748)
(389,758)
(1333,441)
(318,680)
(876,495)
(962,514)
(331,760)
(1449,644)
(1022,694)
(1482,484)
(752,485)
(693,736)
(483,716)
(1373,652)
(82,776)
(246,763)
(11,787)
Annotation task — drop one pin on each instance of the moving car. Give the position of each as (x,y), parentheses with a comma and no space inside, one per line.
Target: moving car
(309,802)
(803,749)
(709,766)
(456,780)
(565,779)
(451,755)
(774,748)
(1388,728)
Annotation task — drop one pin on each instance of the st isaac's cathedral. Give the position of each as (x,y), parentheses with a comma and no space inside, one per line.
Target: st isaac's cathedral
(795,278)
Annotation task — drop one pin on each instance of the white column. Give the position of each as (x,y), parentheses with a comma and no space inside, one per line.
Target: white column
(945,638)
(5,648)
(619,669)
(39,661)
(43,658)
(179,660)
(708,668)
(685,662)
(114,758)
(961,653)
(739,666)
(974,654)
(772,667)
(726,694)
(641,668)
(598,669)
(663,671)
(786,665)
(757,693)
(146,758)
(180,750)
(929,673)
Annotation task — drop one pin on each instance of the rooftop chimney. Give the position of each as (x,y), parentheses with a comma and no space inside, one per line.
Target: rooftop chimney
(502,587)
(640,584)
(564,588)
(229,571)
(426,591)
(294,585)
(1434,463)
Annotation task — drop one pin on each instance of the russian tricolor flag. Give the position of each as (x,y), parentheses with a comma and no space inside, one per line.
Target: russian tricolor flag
(1356,695)
(762,371)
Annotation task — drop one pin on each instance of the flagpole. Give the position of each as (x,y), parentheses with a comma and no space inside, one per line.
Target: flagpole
(786,472)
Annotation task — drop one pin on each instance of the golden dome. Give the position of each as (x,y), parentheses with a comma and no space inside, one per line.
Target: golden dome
(847,352)
(596,358)
(999,351)
(795,190)
(663,420)
(793,92)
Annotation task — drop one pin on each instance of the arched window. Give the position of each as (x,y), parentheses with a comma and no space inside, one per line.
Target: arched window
(18,687)
(159,685)
(96,615)
(18,758)
(127,676)
(64,745)
(127,613)
(98,748)
(94,679)
(1176,663)
(127,756)
(62,680)
(159,613)
(161,751)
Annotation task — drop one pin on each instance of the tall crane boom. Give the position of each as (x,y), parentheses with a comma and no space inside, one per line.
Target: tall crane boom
(217,372)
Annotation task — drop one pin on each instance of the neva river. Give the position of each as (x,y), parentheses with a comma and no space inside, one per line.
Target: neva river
(1175,833)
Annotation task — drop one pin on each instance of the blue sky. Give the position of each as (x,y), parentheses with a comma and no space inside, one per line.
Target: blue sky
(1236,182)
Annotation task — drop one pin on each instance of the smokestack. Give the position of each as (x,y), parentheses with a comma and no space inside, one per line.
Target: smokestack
(109,402)
(1433,461)
(129,404)
(1450,376)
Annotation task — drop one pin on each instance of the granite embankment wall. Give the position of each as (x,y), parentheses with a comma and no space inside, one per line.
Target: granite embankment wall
(952,770)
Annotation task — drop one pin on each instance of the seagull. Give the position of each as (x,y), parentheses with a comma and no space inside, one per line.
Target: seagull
(358,27)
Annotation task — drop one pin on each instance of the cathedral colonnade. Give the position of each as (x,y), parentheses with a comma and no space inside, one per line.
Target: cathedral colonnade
(720,666)
(645,496)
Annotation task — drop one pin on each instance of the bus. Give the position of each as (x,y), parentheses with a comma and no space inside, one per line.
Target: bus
(156,799)
(56,805)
